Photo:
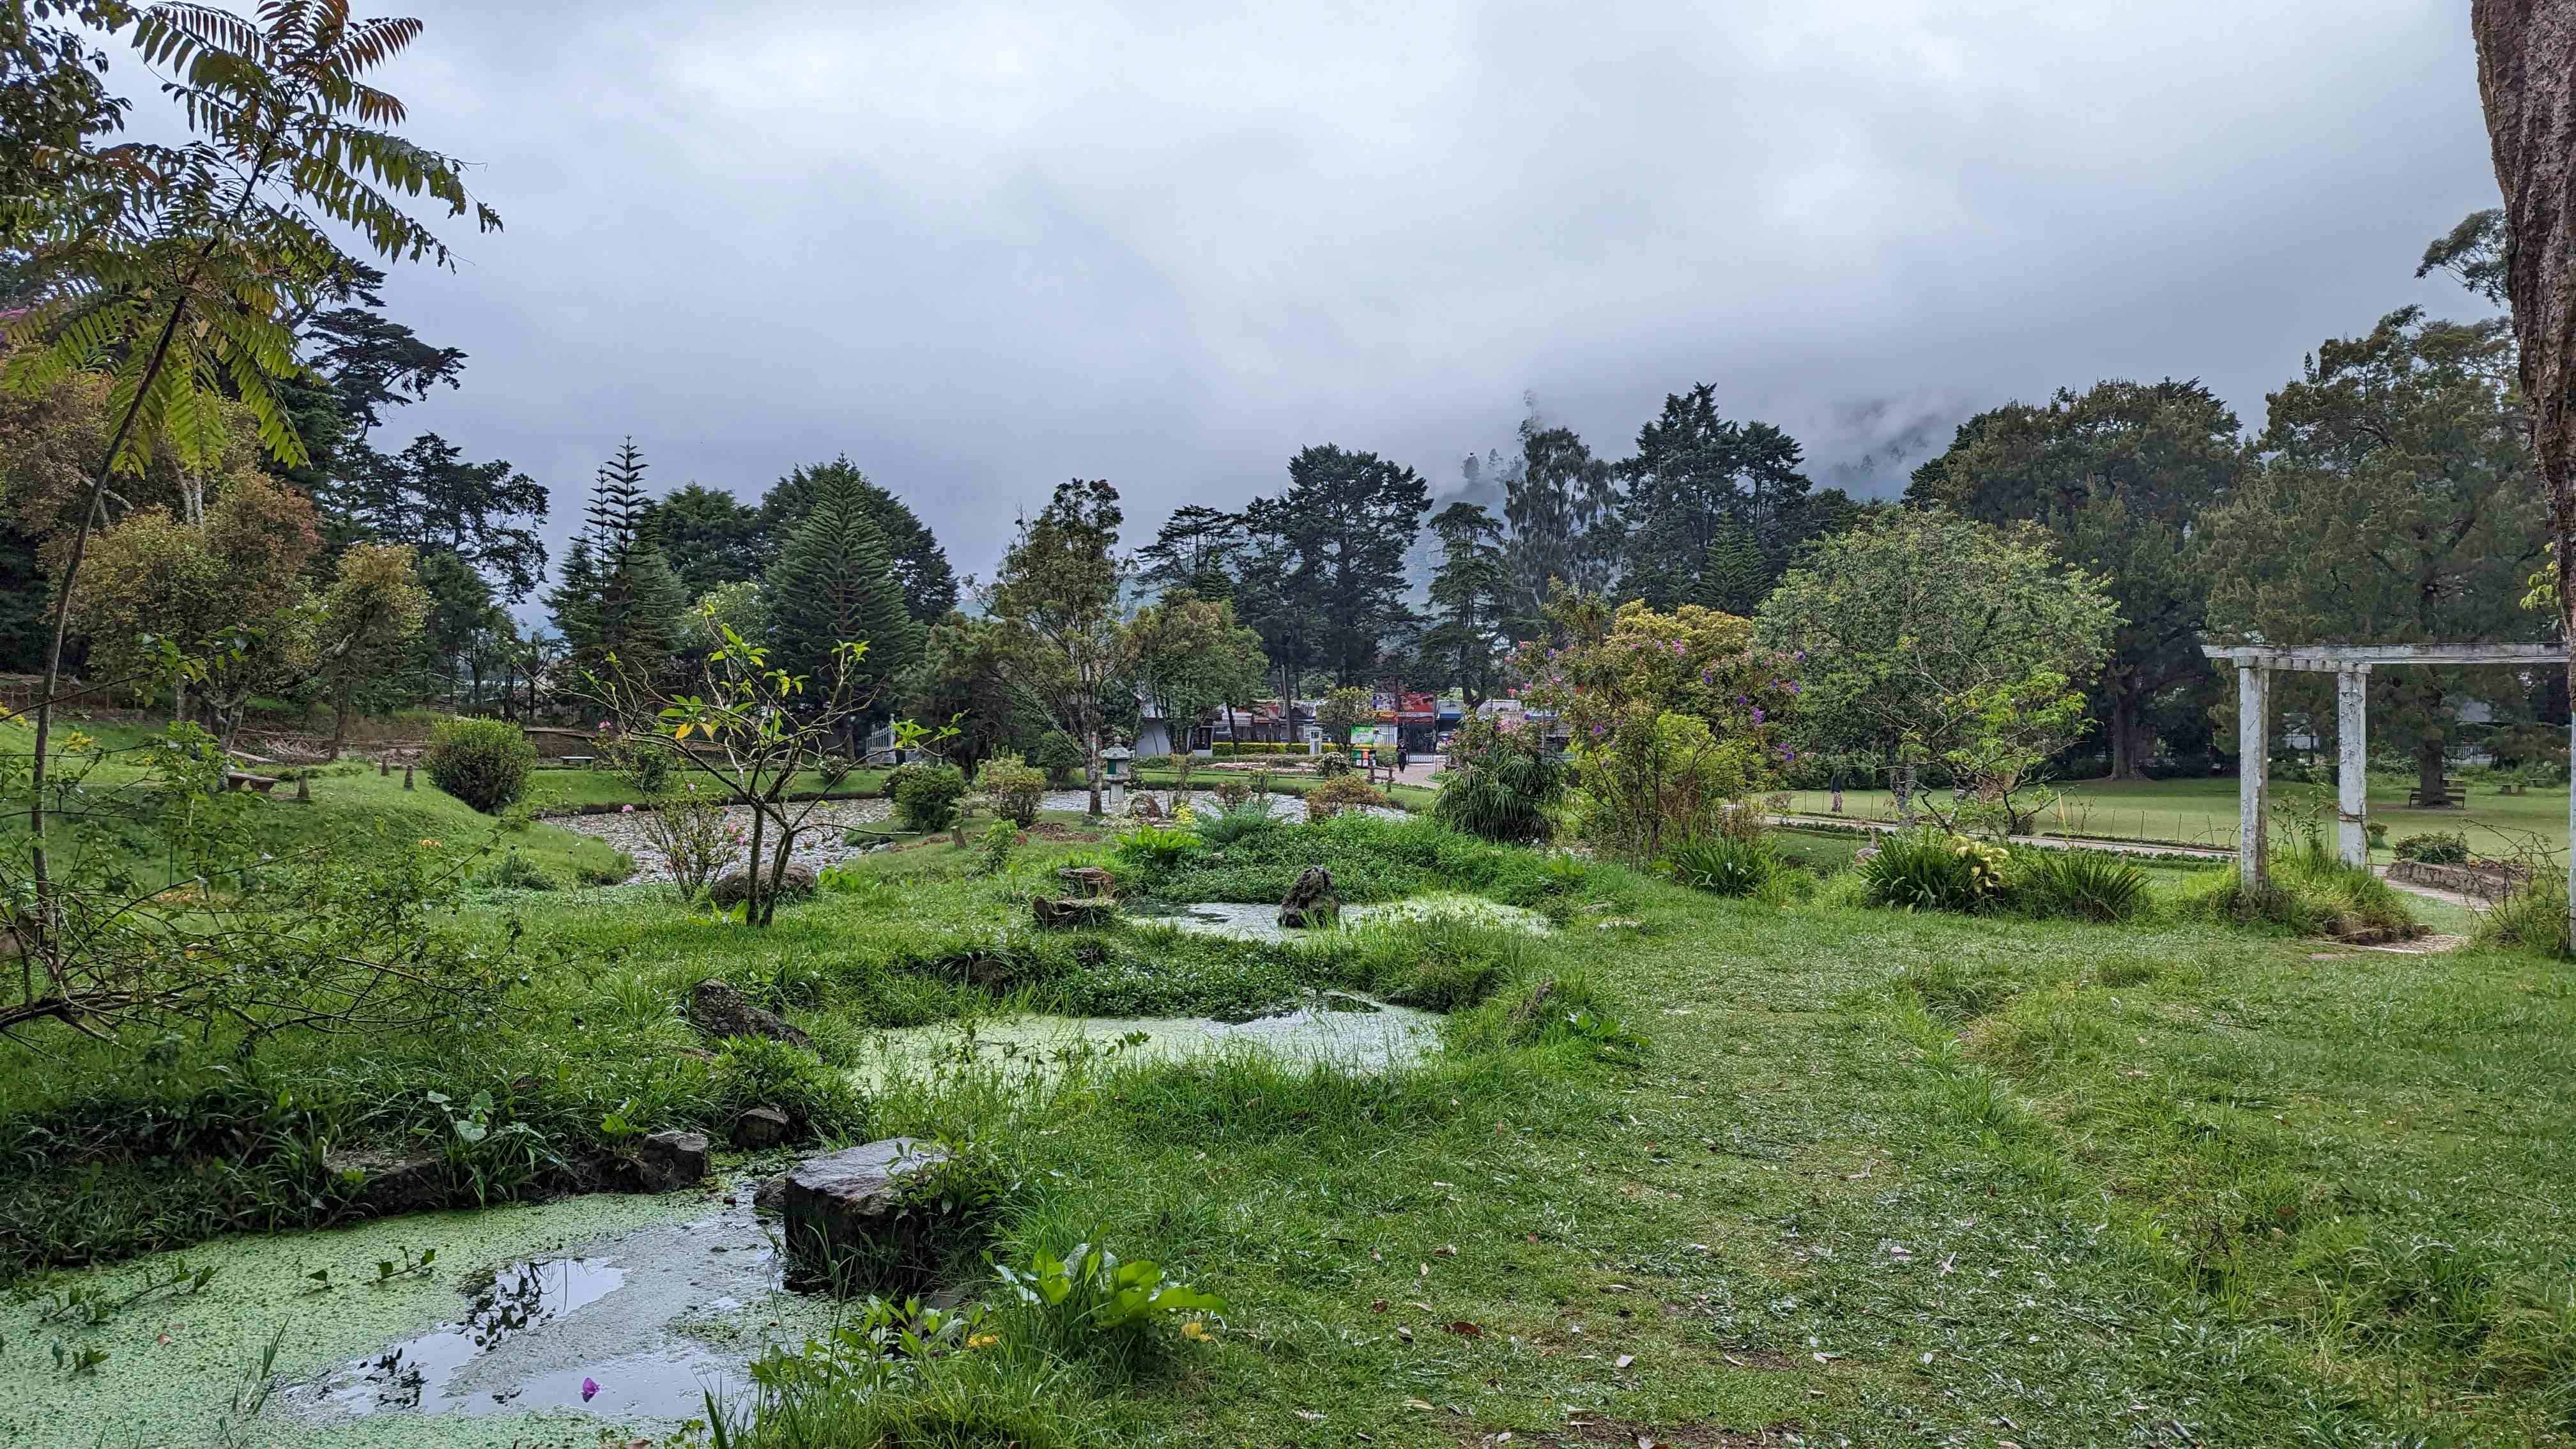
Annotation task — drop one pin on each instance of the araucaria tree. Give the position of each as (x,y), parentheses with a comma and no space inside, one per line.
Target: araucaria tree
(1057,593)
(2122,476)
(1328,590)
(616,596)
(1470,597)
(1924,637)
(834,580)
(1714,509)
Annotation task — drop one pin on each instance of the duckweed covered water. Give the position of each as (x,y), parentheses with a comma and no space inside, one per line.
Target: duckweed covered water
(1261,922)
(648,1297)
(1338,1028)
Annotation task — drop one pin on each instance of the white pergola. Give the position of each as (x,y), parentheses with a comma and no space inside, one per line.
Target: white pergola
(2350,664)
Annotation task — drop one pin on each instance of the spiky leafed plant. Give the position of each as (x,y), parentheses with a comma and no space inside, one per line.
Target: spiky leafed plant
(172,268)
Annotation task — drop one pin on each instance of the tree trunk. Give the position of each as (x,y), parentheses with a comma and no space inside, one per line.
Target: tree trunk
(340,717)
(2126,711)
(2430,788)
(751,863)
(2527,80)
(1091,769)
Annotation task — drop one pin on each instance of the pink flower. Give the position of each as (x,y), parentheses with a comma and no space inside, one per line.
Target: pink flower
(589,1387)
(625,809)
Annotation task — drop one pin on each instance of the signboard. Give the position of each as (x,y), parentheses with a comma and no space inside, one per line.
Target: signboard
(1381,737)
(1417,709)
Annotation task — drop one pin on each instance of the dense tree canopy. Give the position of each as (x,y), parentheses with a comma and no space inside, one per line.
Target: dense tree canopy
(2393,506)
(834,583)
(2121,476)
(1907,628)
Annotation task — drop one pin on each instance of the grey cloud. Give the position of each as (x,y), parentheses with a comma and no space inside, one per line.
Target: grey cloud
(983,247)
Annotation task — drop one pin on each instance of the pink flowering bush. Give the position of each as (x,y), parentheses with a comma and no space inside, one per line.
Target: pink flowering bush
(1671,719)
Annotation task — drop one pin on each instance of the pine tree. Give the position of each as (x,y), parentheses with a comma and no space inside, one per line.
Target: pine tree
(618,598)
(834,581)
(618,501)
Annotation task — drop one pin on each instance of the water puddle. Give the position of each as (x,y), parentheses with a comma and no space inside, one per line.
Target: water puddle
(1337,1027)
(606,1330)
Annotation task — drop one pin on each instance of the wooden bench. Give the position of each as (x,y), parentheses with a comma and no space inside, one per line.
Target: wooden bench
(576,762)
(238,780)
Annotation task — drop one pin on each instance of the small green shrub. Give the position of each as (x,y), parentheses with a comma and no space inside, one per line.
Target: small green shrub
(927,798)
(483,762)
(2309,894)
(1931,870)
(1012,789)
(1157,847)
(2531,919)
(1342,792)
(1237,821)
(1505,785)
(1843,890)
(993,853)
(2082,885)
(2435,847)
(754,1071)
(1089,1304)
(515,872)
(1332,764)
(1062,757)
(1724,865)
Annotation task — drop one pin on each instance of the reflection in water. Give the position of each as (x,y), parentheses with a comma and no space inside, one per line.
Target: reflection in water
(418,1373)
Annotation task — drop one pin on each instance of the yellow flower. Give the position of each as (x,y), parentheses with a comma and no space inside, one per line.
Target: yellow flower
(1195,1331)
(984,1340)
(426,843)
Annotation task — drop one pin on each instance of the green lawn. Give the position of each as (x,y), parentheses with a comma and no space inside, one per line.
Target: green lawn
(2203,812)
(1689,1168)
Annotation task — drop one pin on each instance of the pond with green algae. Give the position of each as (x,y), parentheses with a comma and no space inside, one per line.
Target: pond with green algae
(646,1302)
(1336,1028)
(1246,922)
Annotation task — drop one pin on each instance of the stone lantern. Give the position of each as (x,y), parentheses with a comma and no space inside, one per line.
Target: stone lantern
(1113,778)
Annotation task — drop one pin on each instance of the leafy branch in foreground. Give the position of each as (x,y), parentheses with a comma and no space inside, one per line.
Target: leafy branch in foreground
(172,269)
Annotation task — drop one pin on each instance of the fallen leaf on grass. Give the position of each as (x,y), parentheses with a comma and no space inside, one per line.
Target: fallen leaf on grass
(1624,1360)
(1464,1329)
(1425,1405)
(1404,1331)
(1445,1250)
(1378,1307)
(1309,1415)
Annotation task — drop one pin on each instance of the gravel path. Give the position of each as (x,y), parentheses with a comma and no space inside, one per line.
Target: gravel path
(818,846)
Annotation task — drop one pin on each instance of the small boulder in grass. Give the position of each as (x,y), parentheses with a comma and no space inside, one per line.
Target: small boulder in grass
(840,1208)
(669,1161)
(1311,903)
(719,1009)
(734,887)
(762,1127)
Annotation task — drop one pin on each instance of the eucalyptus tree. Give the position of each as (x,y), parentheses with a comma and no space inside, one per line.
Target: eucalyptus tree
(174,267)
(2527,80)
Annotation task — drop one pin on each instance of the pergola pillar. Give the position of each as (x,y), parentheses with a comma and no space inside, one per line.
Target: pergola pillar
(2350,664)
(2352,764)
(2253,772)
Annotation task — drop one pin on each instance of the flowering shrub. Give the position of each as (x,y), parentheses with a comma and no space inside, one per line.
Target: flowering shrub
(1344,791)
(1668,717)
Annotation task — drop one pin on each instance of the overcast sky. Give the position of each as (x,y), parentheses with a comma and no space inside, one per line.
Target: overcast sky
(983,247)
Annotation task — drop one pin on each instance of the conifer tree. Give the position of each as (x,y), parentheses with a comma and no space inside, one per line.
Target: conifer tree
(617,597)
(834,581)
